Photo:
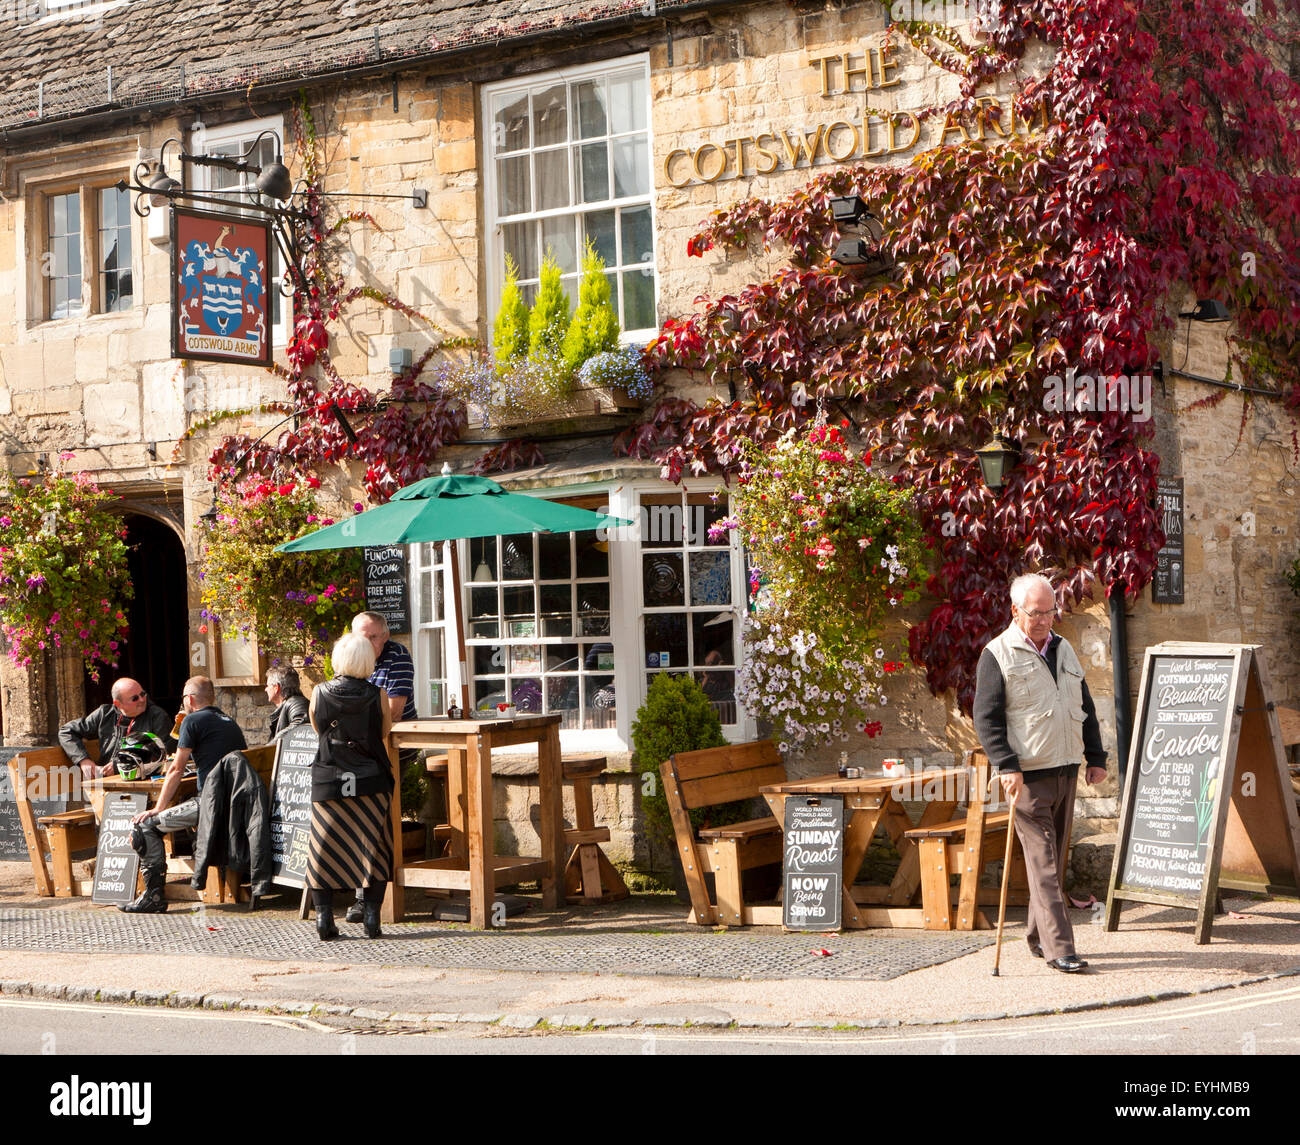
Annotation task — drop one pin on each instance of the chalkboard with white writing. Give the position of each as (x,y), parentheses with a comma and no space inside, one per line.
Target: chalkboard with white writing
(387,587)
(813,863)
(295,752)
(1207,798)
(1184,731)
(116,863)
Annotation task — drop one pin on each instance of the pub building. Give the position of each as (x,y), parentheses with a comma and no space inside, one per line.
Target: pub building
(522,133)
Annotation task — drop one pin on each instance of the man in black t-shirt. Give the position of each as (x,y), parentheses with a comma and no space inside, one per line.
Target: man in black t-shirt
(207,735)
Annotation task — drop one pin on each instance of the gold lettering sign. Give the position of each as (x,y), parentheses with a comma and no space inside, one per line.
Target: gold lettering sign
(843,140)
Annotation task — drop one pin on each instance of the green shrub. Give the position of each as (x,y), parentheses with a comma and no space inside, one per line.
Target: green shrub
(549,319)
(510,330)
(415,788)
(676,716)
(594,328)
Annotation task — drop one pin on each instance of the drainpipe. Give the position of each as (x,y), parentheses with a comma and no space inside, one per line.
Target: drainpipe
(1119,668)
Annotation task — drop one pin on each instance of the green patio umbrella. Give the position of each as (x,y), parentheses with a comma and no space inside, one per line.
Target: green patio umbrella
(451,508)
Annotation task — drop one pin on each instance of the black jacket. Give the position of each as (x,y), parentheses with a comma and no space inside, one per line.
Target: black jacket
(292,711)
(234,828)
(351,756)
(110,728)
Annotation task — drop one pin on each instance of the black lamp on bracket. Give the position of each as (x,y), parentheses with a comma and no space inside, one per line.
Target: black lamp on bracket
(862,248)
(1207,310)
(997,458)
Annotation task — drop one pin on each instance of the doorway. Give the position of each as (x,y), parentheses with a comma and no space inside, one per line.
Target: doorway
(156,649)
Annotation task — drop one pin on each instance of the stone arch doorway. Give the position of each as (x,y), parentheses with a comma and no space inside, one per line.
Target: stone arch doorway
(156,650)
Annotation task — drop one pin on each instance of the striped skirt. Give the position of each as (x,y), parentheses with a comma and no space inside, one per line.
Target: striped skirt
(351,843)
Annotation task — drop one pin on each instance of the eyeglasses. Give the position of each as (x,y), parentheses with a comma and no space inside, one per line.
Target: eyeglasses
(133,699)
(190,696)
(1034,614)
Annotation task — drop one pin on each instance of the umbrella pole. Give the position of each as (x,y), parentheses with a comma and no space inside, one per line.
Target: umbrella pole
(453,554)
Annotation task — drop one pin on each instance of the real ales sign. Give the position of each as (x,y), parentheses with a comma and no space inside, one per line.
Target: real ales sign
(813,864)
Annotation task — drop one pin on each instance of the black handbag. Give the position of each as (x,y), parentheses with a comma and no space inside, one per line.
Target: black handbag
(337,751)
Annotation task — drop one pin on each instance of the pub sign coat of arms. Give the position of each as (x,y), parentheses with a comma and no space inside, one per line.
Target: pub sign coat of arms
(220,293)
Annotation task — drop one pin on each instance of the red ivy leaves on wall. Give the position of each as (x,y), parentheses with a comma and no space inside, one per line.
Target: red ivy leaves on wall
(1172,157)
(399,434)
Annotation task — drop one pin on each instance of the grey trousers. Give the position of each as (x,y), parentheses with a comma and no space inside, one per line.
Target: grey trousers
(177,818)
(1044,814)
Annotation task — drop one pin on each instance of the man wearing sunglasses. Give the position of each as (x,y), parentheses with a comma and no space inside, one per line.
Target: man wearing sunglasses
(130,712)
(1036,721)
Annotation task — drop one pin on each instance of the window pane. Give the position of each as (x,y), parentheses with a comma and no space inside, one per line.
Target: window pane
(665,640)
(521,246)
(489,693)
(513,194)
(553,179)
(593,173)
(519,603)
(483,558)
(424,615)
(593,609)
(559,240)
(599,228)
(553,557)
(661,521)
(601,703)
(638,300)
(713,634)
(662,580)
(637,235)
(705,513)
(589,99)
(627,102)
(550,116)
(489,659)
(711,577)
(526,694)
(631,168)
(517,557)
(510,122)
(593,556)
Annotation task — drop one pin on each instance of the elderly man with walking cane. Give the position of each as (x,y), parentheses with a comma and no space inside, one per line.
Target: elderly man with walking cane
(1036,721)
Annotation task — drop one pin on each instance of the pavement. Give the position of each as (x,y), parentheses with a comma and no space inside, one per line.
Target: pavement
(635,963)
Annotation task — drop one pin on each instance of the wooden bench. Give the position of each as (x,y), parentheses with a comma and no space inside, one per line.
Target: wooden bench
(47,773)
(589,876)
(695,779)
(963,847)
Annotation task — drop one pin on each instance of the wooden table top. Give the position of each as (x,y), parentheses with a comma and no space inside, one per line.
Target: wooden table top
(473,726)
(834,784)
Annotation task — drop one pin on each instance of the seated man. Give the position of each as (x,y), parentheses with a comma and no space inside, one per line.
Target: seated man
(284,690)
(130,712)
(208,735)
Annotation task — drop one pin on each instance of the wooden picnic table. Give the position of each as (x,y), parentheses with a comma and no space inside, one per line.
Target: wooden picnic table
(98,790)
(472,863)
(870,803)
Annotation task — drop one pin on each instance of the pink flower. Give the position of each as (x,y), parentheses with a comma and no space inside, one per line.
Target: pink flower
(357,506)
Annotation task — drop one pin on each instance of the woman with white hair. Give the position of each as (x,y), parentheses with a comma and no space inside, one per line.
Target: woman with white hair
(352,789)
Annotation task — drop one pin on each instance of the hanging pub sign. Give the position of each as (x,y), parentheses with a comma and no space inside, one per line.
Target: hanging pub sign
(1207,799)
(220,298)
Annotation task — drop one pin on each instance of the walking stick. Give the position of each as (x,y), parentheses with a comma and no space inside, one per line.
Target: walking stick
(1006,873)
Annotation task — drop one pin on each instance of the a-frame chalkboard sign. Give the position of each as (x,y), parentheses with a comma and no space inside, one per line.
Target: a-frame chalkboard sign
(1207,801)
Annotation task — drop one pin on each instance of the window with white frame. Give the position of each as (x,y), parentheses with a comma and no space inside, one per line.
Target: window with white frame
(91,226)
(538,631)
(432,628)
(233,141)
(689,593)
(570,164)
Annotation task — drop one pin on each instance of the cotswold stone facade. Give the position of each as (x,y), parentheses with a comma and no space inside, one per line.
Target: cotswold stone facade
(742,100)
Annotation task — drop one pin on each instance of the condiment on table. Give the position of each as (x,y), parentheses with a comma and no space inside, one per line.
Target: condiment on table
(473,865)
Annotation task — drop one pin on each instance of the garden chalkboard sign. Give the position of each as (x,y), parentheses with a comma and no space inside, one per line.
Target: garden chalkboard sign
(1207,798)
(295,752)
(386,586)
(116,863)
(813,865)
